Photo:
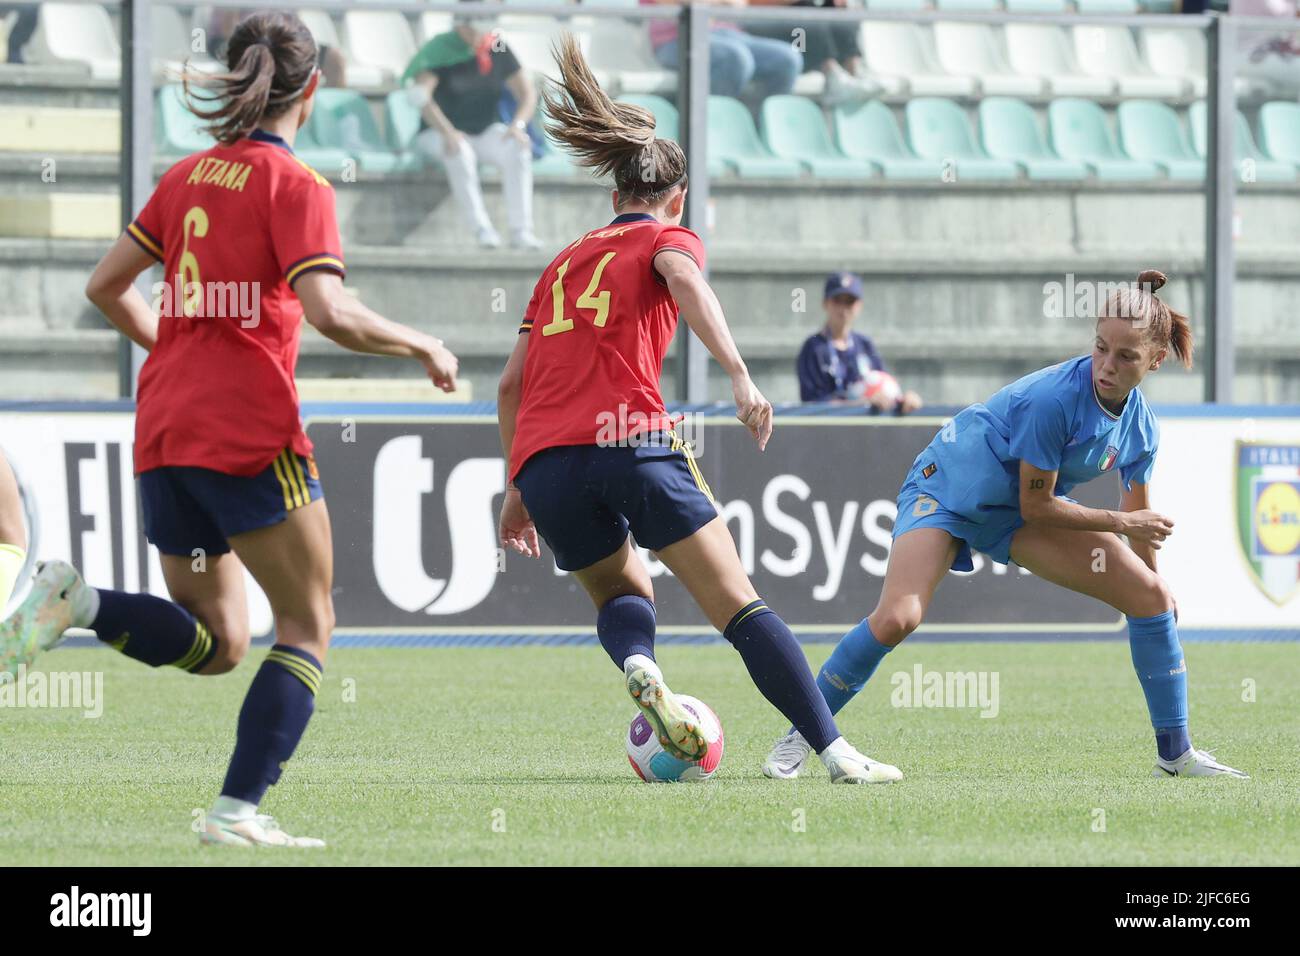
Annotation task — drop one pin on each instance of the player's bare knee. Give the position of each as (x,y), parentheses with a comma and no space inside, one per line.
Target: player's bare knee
(891,625)
(1153,597)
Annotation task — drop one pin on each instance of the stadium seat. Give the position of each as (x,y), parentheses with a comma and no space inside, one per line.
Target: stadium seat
(734,141)
(432,23)
(1178,53)
(1036,6)
(1279,131)
(1009,130)
(172,43)
(667,123)
(1105,51)
(327,159)
(1106,7)
(177,131)
(622,50)
(1150,130)
(794,128)
(968,6)
(530,39)
(342,120)
(323,30)
(868,131)
(378,41)
(1158,6)
(1043,50)
(897,57)
(555,162)
(59,129)
(938,130)
(1078,130)
(401,122)
(972,49)
(76,34)
(1261,169)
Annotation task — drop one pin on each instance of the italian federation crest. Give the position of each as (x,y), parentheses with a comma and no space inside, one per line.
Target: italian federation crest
(1268,515)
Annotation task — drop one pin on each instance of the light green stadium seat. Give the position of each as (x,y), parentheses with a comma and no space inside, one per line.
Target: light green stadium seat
(867,131)
(1150,130)
(938,129)
(401,122)
(1103,7)
(555,161)
(341,119)
(1279,131)
(1077,130)
(1036,6)
(734,140)
(1009,130)
(1157,6)
(666,120)
(177,131)
(1262,169)
(316,145)
(795,128)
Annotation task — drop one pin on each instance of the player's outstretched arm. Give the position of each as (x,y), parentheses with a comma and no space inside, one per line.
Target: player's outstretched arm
(111,288)
(703,313)
(1038,505)
(342,318)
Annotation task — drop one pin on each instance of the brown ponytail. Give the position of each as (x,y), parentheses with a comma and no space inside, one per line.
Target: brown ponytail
(270,59)
(1165,328)
(611,138)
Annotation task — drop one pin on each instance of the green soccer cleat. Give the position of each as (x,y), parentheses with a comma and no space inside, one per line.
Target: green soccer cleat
(39,622)
(676,728)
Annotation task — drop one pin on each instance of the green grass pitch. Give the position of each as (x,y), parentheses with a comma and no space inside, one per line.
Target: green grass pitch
(514,755)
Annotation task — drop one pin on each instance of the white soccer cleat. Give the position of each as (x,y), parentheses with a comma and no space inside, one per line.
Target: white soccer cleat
(53,605)
(676,728)
(259,830)
(847,765)
(1195,763)
(788,756)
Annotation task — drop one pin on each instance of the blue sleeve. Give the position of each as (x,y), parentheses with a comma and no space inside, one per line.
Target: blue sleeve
(814,384)
(1140,470)
(1039,429)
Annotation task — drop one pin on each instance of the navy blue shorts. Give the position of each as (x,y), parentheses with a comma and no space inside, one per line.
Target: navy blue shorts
(187,508)
(585,498)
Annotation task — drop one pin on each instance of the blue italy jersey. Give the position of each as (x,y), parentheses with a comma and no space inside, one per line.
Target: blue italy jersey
(1052,419)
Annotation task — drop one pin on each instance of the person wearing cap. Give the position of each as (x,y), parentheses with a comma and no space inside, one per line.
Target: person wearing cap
(834,363)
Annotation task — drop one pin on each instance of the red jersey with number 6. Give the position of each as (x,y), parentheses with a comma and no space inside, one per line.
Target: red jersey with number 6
(234,226)
(601,320)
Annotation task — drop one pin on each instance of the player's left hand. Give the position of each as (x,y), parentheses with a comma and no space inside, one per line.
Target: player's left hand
(518,533)
(752,409)
(441,365)
(911,402)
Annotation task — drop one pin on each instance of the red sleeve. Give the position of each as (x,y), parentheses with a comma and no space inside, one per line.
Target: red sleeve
(146,229)
(530,314)
(681,239)
(304,230)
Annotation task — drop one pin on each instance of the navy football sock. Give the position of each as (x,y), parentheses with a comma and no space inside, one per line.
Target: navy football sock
(279,704)
(777,665)
(626,626)
(153,630)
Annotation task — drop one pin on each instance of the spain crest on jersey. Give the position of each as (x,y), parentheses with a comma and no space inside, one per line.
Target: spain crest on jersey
(1268,515)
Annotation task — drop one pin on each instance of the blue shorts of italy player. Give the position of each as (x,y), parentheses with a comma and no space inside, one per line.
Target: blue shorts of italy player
(987,530)
(585,498)
(189,508)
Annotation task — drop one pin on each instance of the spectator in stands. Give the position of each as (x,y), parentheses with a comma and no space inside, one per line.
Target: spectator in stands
(834,364)
(22,27)
(459,78)
(1266,54)
(829,47)
(735,57)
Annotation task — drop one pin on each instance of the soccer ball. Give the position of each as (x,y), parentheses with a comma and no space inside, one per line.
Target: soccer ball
(653,764)
(882,384)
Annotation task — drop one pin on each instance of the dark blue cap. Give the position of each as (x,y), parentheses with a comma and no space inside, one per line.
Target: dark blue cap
(843,283)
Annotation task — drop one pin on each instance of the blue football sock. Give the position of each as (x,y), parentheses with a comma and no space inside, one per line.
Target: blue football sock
(777,665)
(153,630)
(850,666)
(1158,660)
(626,626)
(280,701)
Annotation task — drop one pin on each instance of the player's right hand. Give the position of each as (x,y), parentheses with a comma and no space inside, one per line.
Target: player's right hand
(752,409)
(517,531)
(1147,525)
(441,365)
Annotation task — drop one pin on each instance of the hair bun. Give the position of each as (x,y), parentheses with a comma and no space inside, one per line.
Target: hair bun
(1153,278)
